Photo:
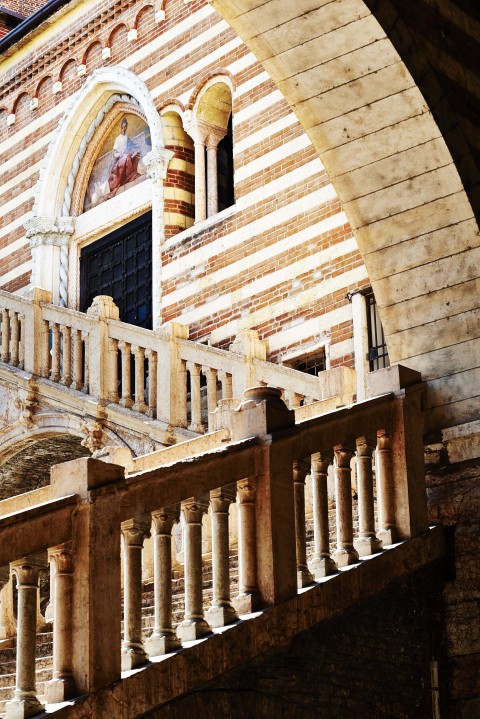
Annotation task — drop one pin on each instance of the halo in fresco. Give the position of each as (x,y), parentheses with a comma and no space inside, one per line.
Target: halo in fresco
(119,164)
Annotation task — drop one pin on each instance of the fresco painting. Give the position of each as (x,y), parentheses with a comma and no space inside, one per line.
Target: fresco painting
(119,164)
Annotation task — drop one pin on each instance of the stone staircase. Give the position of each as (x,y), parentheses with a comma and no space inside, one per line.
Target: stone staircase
(44,640)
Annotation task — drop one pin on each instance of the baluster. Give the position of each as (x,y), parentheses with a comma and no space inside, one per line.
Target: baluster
(61,687)
(126,398)
(55,372)
(247,600)
(195,398)
(21,344)
(5,336)
(86,368)
(345,553)
(134,533)
(211,375)
(221,612)
(15,334)
(25,702)
(77,360)
(139,404)
(322,564)
(226,382)
(113,371)
(304,576)
(67,356)
(385,489)
(194,625)
(163,638)
(366,542)
(152,383)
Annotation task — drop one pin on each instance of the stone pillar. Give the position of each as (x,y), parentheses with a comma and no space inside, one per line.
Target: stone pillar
(385,489)
(304,576)
(61,687)
(360,342)
(5,336)
(157,162)
(163,638)
(194,625)
(366,542)
(49,238)
(96,596)
(221,612)
(322,564)
(99,346)
(214,137)
(247,600)
(7,619)
(345,553)
(25,703)
(134,533)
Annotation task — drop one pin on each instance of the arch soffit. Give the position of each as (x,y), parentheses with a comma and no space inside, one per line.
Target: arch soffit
(84,107)
(221,108)
(366,118)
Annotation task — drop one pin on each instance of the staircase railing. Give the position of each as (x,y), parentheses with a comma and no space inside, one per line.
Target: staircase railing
(92,505)
(161,374)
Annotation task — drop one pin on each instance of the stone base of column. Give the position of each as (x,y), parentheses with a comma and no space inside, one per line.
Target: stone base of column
(126,403)
(322,567)
(304,578)
(132,658)
(247,603)
(140,407)
(366,546)
(29,706)
(387,536)
(59,690)
(191,629)
(163,643)
(345,557)
(221,616)
(198,428)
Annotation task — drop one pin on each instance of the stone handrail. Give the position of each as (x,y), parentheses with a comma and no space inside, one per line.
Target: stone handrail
(161,374)
(93,503)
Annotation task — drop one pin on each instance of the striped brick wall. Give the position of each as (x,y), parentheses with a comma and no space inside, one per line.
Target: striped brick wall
(281,260)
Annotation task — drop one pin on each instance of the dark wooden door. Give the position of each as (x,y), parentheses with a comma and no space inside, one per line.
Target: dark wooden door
(120,265)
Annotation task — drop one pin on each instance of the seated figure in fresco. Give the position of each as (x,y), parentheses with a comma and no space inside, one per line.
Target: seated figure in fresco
(125,161)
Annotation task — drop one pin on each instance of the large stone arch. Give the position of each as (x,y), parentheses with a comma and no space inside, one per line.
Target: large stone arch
(395,176)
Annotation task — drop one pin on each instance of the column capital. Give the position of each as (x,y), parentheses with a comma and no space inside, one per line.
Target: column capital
(321,461)
(247,490)
(343,456)
(27,570)
(365,446)
(54,231)
(221,498)
(203,132)
(193,510)
(156,162)
(135,531)
(62,558)
(164,519)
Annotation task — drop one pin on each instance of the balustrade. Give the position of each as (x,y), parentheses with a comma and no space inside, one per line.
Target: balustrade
(263,468)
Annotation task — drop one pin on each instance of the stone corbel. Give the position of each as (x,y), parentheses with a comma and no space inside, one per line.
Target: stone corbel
(27,406)
(94,439)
